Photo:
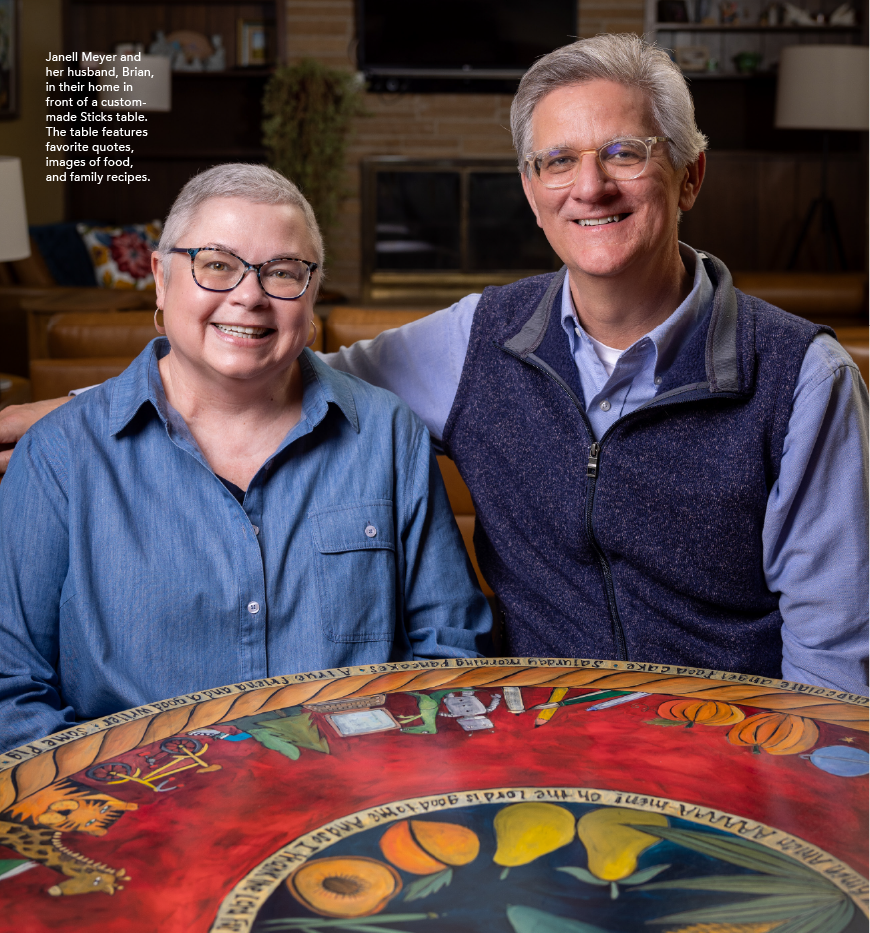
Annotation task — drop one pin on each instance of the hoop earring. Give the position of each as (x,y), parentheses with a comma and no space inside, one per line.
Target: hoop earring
(158,325)
(311,337)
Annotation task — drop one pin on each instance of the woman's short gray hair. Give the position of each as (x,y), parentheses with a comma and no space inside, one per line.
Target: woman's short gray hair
(258,184)
(622,58)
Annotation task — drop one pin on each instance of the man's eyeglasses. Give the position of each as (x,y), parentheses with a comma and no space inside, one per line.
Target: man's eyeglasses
(621,159)
(217,270)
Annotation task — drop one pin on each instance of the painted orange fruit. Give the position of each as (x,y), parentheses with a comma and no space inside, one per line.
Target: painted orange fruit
(422,847)
(352,886)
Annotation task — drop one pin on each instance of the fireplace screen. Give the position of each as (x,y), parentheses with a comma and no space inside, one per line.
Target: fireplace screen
(431,229)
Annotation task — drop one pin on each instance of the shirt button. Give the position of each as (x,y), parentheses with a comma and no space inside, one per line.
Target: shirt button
(371,531)
(577,331)
(253,608)
(658,380)
(256,529)
(605,405)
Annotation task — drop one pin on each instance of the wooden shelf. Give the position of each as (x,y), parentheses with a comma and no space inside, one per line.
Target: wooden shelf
(707,27)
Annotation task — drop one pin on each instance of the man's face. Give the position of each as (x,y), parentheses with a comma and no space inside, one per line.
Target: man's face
(585,116)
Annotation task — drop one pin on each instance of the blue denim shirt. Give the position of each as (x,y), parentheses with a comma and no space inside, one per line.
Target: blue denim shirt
(130,573)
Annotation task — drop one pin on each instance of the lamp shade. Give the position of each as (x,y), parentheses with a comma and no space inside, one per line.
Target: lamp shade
(822,87)
(14,236)
(153,88)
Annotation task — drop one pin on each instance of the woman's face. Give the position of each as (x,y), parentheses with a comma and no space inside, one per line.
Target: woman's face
(204,327)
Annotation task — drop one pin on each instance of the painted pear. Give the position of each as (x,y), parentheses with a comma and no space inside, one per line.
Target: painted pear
(526,831)
(612,844)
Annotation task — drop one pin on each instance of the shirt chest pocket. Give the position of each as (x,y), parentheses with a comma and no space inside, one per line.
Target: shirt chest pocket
(355,560)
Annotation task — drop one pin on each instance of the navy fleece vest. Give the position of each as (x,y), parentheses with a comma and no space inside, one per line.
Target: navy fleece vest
(647,545)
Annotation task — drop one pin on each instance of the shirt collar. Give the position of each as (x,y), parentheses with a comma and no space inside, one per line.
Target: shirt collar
(671,335)
(141,383)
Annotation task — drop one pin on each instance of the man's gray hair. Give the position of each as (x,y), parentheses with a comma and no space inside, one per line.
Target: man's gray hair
(622,58)
(258,184)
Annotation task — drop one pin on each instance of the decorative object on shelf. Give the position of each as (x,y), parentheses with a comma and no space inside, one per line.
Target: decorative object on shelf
(747,62)
(129,48)
(822,87)
(308,109)
(154,88)
(14,238)
(692,57)
(795,16)
(190,49)
(673,11)
(253,46)
(712,65)
(771,16)
(10,69)
(729,13)
(217,61)
(160,45)
(844,15)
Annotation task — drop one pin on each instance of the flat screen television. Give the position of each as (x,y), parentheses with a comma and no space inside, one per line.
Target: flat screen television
(405,42)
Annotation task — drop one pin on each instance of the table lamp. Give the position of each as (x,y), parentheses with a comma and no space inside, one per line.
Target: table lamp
(822,87)
(14,236)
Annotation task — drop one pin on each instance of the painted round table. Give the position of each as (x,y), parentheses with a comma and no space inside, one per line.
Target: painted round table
(506,795)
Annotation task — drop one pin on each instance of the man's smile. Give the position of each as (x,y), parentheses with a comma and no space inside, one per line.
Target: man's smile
(599,221)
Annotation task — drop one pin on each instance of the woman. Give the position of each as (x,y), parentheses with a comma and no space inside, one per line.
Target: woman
(234,509)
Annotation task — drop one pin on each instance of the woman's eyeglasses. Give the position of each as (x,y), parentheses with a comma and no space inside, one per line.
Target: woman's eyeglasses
(218,270)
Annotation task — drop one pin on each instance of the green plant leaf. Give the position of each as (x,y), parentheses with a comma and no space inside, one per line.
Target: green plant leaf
(758,910)
(827,920)
(367,924)
(737,851)
(739,884)
(423,887)
(665,722)
(644,874)
(504,873)
(582,875)
(531,920)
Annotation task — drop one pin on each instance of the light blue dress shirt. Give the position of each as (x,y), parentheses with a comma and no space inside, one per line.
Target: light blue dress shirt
(129,573)
(816,524)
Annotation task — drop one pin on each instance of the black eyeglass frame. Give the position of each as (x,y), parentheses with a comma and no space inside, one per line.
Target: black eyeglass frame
(312,268)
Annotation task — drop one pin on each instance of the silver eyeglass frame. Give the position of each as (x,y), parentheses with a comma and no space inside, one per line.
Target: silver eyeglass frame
(249,266)
(533,159)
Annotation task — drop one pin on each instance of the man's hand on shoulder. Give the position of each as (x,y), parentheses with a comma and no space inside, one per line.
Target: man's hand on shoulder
(16,419)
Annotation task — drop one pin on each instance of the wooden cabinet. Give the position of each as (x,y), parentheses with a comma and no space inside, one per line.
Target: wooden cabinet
(216,116)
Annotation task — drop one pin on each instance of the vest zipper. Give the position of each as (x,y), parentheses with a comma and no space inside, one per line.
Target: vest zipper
(592,475)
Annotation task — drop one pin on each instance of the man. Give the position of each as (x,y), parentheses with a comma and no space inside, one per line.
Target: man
(664,469)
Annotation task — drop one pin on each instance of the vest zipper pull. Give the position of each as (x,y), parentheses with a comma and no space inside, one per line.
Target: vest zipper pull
(592,463)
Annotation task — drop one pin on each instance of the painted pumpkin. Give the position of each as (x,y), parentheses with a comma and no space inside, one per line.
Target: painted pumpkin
(776,733)
(708,712)
(354,886)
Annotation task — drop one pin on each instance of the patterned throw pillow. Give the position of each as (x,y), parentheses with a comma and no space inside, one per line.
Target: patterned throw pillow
(121,256)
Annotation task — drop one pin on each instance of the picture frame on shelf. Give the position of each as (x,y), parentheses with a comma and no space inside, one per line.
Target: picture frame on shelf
(253,44)
(10,64)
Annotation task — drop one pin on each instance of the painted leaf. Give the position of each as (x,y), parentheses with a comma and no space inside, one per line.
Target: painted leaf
(759,909)
(828,920)
(582,875)
(275,742)
(423,887)
(530,920)
(740,884)
(8,866)
(297,730)
(644,874)
(737,851)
